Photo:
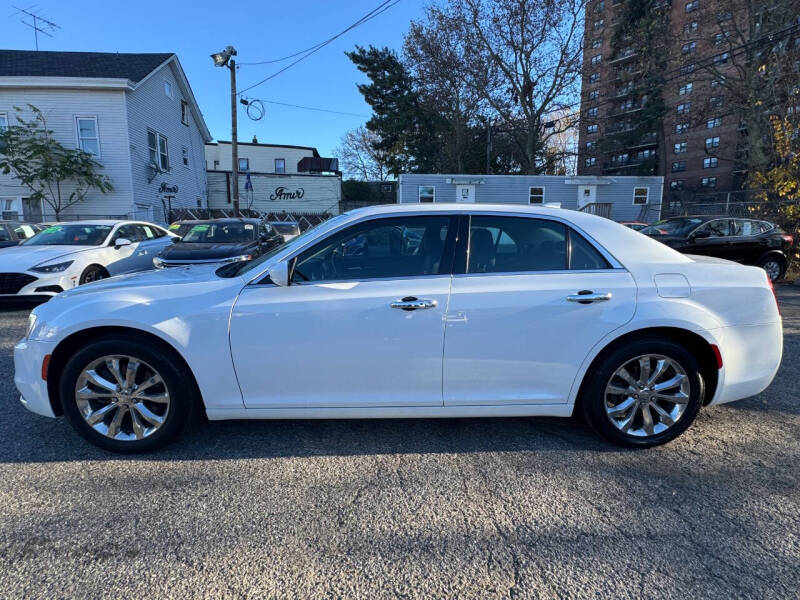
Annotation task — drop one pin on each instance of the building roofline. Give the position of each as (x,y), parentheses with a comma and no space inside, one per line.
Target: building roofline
(244,173)
(314,150)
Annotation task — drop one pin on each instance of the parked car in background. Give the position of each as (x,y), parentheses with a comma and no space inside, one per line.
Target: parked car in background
(65,255)
(220,240)
(635,225)
(288,229)
(498,310)
(181,228)
(14,232)
(747,241)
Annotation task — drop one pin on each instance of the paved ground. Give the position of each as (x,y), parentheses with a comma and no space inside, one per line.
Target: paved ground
(521,508)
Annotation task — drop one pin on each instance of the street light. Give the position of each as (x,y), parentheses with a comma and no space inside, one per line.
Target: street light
(225,59)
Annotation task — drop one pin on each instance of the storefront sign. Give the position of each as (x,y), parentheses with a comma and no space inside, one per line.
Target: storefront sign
(281,193)
(167,189)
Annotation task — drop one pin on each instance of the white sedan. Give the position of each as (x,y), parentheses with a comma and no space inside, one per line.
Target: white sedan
(65,255)
(412,311)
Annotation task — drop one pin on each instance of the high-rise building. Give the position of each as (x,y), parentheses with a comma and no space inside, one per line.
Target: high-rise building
(659,92)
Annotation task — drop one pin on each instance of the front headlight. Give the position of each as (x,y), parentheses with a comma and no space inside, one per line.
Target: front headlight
(240,258)
(56,268)
(31,325)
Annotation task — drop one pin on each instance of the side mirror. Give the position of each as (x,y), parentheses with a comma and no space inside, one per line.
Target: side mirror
(175,240)
(279,273)
(119,242)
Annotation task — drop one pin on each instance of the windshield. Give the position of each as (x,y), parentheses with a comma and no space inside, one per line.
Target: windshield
(285,227)
(70,235)
(234,269)
(220,233)
(673,226)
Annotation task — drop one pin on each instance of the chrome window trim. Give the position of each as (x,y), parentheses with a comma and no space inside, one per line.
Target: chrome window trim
(289,254)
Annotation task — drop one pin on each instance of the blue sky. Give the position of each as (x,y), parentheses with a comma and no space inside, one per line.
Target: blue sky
(262,30)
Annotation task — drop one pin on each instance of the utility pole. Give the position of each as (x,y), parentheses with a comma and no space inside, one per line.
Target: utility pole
(488,147)
(225,59)
(234,140)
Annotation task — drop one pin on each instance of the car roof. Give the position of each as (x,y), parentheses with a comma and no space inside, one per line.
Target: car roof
(223,220)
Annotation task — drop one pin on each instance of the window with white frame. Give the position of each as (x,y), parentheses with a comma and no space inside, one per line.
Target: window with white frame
(712,142)
(280,165)
(185,156)
(88,139)
(157,147)
(167,89)
(184,112)
(640,195)
(536,195)
(244,164)
(427,193)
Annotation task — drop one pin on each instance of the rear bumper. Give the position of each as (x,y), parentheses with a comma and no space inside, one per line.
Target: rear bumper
(28,357)
(751,355)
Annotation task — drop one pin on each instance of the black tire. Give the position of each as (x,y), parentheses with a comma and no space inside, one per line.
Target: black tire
(593,400)
(775,266)
(172,372)
(92,273)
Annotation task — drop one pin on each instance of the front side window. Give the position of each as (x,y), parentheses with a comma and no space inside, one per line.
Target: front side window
(536,195)
(379,249)
(640,195)
(718,228)
(499,244)
(427,193)
(157,147)
(88,139)
(280,165)
(132,233)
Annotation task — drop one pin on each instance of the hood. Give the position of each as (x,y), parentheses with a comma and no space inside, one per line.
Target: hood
(199,251)
(22,258)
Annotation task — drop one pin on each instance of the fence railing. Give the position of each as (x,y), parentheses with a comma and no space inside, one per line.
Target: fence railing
(303,220)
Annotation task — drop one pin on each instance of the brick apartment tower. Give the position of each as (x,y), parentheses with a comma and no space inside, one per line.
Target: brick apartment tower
(693,144)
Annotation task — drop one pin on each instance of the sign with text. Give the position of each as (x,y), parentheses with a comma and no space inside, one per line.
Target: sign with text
(282,193)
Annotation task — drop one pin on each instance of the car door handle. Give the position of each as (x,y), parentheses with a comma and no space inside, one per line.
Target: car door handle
(588,296)
(412,303)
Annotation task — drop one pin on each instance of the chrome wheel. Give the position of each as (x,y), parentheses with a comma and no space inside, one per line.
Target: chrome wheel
(647,395)
(122,397)
(773,269)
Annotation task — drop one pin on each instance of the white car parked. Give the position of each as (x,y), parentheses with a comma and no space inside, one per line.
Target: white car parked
(432,310)
(65,255)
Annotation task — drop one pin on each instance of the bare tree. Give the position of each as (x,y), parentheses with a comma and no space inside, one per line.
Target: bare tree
(532,52)
(359,157)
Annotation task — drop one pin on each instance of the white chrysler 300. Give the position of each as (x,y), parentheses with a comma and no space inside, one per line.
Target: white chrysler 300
(411,311)
(65,255)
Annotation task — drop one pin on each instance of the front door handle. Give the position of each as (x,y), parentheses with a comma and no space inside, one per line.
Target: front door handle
(588,296)
(413,303)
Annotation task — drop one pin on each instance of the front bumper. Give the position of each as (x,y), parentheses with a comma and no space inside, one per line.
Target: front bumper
(28,358)
(45,285)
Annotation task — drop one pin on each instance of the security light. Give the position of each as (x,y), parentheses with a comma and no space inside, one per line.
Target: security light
(221,58)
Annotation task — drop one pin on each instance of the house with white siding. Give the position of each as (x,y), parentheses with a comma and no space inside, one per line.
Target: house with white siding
(282,178)
(621,198)
(135,113)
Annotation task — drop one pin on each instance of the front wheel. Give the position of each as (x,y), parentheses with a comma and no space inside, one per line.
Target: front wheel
(92,273)
(645,393)
(125,395)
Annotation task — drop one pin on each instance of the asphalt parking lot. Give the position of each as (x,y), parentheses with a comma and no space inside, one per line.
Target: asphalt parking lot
(488,508)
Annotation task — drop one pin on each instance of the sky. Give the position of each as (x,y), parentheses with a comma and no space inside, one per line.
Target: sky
(261,30)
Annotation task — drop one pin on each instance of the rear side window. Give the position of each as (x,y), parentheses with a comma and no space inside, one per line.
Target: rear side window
(518,244)
(4,235)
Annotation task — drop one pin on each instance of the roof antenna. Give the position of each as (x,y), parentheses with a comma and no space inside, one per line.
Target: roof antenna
(33,18)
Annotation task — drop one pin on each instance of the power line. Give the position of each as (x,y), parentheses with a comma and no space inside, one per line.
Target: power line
(381,8)
(325,110)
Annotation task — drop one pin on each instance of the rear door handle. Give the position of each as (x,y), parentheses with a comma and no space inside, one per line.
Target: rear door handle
(413,303)
(588,296)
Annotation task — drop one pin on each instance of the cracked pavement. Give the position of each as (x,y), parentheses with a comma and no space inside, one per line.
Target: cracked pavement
(483,508)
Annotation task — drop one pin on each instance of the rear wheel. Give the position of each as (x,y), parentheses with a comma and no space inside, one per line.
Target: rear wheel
(775,267)
(644,394)
(92,273)
(124,395)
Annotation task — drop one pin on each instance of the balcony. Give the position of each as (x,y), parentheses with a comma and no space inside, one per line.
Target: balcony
(623,55)
(624,110)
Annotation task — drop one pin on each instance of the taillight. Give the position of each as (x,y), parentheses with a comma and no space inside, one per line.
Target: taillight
(774,295)
(788,239)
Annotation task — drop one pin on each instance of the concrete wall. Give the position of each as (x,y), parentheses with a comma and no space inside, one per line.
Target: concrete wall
(312,193)
(60,107)
(569,192)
